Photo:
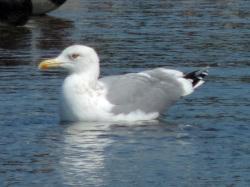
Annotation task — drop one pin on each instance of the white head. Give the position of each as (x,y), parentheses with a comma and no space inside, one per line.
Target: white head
(76,59)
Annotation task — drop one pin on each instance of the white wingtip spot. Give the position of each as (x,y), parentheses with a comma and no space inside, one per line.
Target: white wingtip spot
(199,84)
(186,86)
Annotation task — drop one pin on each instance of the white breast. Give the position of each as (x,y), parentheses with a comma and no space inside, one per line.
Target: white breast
(80,102)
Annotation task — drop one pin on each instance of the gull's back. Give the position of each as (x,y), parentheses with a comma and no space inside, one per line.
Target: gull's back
(148,91)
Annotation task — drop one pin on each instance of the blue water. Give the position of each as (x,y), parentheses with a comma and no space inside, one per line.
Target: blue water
(204,140)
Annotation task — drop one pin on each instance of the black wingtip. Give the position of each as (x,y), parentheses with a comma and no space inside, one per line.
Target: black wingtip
(197,76)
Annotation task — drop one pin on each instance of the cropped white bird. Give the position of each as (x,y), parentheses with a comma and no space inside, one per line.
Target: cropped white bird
(18,12)
(129,97)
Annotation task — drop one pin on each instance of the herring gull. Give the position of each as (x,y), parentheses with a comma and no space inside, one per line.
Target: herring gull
(129,97)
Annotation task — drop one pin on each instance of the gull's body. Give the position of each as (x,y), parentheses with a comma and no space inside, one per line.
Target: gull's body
(130,97)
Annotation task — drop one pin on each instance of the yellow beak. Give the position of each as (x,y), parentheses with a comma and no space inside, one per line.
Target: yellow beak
(50,63)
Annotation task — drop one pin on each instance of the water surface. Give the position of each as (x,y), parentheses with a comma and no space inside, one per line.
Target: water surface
(202,141)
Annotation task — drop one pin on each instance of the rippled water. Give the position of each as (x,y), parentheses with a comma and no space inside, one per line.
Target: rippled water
(204,140)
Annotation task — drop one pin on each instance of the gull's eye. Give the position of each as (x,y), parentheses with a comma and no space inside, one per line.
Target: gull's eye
(74,56)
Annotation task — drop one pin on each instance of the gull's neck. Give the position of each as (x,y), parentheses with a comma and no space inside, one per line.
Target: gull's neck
(86,77)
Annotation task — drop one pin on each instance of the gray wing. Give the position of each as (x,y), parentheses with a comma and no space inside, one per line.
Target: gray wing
(148,91)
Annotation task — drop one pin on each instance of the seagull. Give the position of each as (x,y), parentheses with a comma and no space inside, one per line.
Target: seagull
(128,97)
(18,12)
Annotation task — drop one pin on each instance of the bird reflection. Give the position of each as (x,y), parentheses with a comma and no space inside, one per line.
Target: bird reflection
(51,30)
(15,45)
(23,45)
(83,152)
(16,38)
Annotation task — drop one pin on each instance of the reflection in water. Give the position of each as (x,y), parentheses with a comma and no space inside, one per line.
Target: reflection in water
(129,36)
(53,32)
(14,37)
(23,45)
(102,154)
(83,153)
(13,45)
